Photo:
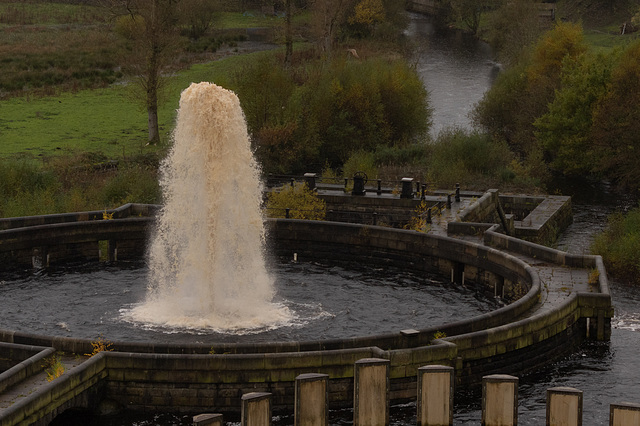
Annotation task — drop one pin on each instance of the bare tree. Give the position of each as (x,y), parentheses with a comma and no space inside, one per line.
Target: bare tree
(328,17)
(151,28)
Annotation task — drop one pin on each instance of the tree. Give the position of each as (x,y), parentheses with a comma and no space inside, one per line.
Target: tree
(565,130)
(523,93)
(512,29)
(470,11)
(328,17)
(198,15)
(616,121)
(150,27)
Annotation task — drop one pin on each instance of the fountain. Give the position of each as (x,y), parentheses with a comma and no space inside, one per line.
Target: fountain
(207,266)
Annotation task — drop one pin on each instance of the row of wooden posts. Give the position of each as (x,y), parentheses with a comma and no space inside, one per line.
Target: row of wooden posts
(434,400)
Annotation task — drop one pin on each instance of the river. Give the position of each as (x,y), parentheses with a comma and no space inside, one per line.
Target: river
(456,68)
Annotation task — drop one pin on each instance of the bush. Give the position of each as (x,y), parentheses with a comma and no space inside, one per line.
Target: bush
(132,184)
(299,199)
(619,245)
(461,157)
(322,112)
(361,161)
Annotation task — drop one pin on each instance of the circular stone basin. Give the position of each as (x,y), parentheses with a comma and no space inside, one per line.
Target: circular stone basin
(329,302)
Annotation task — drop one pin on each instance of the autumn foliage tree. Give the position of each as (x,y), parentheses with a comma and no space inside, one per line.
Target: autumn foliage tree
(523,93)
(616,121)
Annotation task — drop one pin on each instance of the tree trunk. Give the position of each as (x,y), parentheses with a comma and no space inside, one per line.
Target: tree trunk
(288,36)
(152,97)
(154,131)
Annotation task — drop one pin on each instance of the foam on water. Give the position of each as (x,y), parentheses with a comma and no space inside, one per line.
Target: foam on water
(207,265)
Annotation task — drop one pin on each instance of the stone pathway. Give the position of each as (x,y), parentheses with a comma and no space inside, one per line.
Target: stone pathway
(26,387)
(558,282)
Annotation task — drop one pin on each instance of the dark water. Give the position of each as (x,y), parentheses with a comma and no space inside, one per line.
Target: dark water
(329,302)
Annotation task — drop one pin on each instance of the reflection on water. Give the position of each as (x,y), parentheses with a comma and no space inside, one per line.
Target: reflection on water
(456,69)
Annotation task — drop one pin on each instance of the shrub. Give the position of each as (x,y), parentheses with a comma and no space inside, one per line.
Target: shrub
(361,161)
(461,157)
(619,245)
(299,199)
(320,112)
(53,367)
(132,184)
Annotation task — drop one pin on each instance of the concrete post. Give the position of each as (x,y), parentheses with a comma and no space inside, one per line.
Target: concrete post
(624,414)
(435,395)
(208,420)
(407,188)
(371,391)
(499,400)
(256,409)
(564,407)
(310,179)
(312,400)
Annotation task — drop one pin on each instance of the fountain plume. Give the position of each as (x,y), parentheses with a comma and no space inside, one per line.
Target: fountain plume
(206,259)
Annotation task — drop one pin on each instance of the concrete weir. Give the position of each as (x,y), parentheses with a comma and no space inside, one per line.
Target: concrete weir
(555,302)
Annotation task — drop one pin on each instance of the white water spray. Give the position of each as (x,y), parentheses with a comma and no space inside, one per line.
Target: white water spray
(207,266)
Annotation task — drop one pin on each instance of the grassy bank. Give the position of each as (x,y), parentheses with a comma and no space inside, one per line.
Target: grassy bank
(106,120)
(619,246)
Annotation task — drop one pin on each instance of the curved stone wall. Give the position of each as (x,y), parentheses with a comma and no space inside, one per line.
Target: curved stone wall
(510,340)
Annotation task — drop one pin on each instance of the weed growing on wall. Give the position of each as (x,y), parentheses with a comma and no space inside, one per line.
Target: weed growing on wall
(418,221)
(100,345)
(53,367)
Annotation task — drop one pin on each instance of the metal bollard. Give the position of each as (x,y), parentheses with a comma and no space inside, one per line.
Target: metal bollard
(379,187)
(286,213)
(457,192)
(375,218)
(429,220)
(449,201)
(293,181)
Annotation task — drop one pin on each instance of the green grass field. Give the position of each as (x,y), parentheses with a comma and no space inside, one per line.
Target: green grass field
(104,120)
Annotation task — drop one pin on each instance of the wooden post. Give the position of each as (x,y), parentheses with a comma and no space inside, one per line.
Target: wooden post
(564,407)
(435,395)
(499,400)
(256,409)
(624,414)
(371,392)
(312,400)
(208,420)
